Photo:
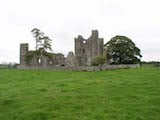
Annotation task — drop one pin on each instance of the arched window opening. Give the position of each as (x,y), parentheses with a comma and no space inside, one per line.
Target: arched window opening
(39,61)
(84,51)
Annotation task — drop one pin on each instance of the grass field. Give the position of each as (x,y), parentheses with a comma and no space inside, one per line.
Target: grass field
(127,94)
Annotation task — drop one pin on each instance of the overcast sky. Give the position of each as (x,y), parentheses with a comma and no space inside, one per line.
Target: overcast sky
(63,20)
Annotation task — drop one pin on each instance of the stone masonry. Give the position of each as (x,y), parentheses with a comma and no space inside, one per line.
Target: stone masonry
(58,59)
(23,51)
(86,50)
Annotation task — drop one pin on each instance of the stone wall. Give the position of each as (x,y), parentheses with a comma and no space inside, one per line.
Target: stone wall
(86,50)
(23,50)
(56,59)
(79,68)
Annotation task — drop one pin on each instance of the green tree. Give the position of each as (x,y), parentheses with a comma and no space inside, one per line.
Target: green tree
(46,44)
(42,41)
(100,60)
(38,36)
(43,45)
(122,50)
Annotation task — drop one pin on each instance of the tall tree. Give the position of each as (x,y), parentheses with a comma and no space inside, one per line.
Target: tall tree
(42,41)
(43,45)
(46,44)
(122,50)
(38,36)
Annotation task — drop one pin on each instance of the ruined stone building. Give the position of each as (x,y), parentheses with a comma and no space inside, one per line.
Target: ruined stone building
(86,50)
(55,59)
(23,51)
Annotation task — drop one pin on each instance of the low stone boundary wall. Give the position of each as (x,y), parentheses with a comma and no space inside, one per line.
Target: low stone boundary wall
(106,67)
(80,68)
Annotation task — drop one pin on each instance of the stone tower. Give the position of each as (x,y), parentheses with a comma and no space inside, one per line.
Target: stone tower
(86,50)
(23,51)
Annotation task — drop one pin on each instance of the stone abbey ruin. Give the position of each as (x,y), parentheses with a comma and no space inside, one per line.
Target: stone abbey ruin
(86,51)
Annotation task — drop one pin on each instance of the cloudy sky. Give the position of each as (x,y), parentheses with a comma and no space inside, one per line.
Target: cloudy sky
(63,20)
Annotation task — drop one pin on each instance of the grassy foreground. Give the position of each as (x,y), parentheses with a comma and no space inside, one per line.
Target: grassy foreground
(127,94)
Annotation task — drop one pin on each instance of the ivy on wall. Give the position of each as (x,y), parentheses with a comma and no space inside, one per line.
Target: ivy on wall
(40,53)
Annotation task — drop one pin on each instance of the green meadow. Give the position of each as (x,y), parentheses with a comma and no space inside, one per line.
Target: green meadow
(125,94)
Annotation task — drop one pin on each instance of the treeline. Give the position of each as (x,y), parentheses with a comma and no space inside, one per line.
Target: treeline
(9,65)
(151,63)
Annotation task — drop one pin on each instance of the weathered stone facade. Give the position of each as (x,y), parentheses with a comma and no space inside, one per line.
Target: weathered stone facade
(86,50)
(23,51)
(70,60)
(55,60)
